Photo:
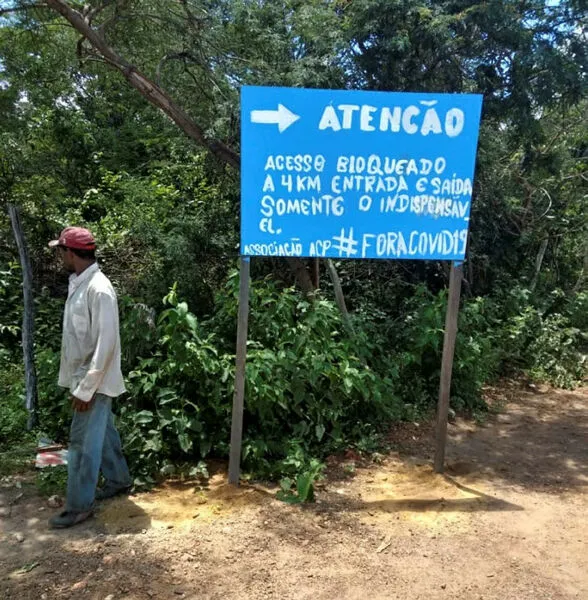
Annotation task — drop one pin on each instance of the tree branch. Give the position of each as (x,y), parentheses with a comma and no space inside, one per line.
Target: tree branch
(148,89)
(195,23)
(158,97)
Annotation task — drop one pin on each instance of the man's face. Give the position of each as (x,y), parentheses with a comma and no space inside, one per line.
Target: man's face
(66,256)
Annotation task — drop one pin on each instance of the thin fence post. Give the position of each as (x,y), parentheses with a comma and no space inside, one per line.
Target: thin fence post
(239,394)
(447,363)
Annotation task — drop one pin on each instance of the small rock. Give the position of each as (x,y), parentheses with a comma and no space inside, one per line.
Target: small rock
(109,597)
(443,586)
(4,511)
(55,501)
(19,537)
(80,585)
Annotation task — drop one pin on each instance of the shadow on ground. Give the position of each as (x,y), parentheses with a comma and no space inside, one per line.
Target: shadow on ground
(537,441)
(538,444)
(36,560)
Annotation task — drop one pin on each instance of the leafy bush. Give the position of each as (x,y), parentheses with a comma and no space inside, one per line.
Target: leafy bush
(553,353)
(178,406)
(10,305)
(54,407)
(549,340)
(309,389)
(312,388)
(418,339)
(13,415)
(477,354)
(309,384)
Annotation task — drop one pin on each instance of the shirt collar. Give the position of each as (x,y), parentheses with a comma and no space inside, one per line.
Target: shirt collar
(76,280)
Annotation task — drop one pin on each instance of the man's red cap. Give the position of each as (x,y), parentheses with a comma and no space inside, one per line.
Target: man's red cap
(75,237)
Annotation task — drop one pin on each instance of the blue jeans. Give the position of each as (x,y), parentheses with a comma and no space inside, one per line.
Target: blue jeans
(94,446)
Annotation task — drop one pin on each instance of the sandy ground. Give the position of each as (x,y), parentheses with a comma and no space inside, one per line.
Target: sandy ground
(508,520)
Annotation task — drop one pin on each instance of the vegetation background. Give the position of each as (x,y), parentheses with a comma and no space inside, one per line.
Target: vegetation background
(79,145)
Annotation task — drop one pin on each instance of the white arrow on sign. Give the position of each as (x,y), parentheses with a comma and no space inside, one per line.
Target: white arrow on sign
(282,117)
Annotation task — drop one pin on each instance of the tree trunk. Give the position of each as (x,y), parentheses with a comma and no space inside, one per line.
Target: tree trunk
(302,274)
(584,270)
(316,272)
(339,297)
(538,263)
(28,323)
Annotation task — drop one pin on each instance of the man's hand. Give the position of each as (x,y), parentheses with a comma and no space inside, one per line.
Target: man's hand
(79,405)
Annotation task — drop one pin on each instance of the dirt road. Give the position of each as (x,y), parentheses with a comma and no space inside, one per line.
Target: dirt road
(508,521)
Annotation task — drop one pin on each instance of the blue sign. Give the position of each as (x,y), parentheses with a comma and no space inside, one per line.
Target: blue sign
(351,174)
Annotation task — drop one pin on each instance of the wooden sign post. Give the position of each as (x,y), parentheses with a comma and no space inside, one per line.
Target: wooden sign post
(447,363)
(239,394)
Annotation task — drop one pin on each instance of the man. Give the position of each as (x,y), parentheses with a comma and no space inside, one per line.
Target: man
(90,369)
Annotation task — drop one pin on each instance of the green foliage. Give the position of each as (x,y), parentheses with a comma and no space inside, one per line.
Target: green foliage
(177,405)
(54,408)
(13,416)
(303,485)
(312,388)
(419,340)
(555,355)
(307,380)
(549,341)
(307,391)
(10,305)
(52,481)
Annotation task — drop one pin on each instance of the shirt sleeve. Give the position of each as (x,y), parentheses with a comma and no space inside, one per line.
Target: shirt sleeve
(104,332)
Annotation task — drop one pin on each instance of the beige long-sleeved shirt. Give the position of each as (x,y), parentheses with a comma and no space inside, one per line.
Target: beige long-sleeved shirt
(90,347)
